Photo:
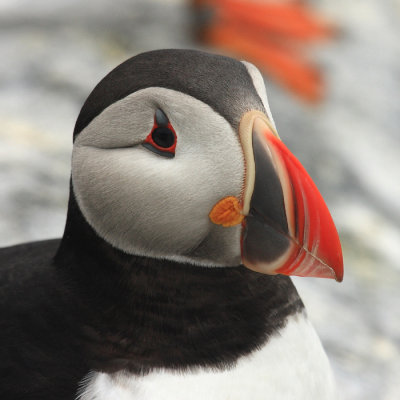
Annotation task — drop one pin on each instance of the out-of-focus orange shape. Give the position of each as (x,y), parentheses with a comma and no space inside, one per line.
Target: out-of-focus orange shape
(269,34)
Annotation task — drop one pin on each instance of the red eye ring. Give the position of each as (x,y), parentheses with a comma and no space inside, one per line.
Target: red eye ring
(162,139)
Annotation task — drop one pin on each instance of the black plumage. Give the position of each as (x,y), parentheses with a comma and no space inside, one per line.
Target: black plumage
(78,304)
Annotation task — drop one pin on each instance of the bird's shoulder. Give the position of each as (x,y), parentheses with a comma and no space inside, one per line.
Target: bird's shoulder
(26,258)
(40,357)
(25,271)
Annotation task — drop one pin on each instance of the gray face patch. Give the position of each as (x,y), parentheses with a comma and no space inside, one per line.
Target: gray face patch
(146,204)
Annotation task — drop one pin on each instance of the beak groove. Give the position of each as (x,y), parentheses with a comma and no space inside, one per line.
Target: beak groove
(287,228)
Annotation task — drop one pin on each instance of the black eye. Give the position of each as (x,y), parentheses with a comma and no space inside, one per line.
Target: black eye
(163,137)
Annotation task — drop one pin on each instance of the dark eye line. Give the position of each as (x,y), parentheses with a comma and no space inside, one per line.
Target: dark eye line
(157,151)
(161,119)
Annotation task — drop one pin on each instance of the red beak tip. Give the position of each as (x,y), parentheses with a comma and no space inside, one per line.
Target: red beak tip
(339,276)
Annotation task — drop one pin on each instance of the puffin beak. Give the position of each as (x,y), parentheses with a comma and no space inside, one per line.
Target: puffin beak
(286,225)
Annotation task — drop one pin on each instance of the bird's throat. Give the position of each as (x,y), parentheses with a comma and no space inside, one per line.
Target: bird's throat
(139,313)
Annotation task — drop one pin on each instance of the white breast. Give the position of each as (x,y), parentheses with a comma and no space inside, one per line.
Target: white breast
(292,365)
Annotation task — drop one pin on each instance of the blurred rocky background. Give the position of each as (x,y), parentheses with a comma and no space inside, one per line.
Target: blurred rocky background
(52,55)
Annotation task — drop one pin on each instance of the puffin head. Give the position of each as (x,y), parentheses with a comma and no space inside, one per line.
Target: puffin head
(176,157)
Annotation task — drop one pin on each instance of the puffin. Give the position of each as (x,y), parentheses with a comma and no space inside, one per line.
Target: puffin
(186,216)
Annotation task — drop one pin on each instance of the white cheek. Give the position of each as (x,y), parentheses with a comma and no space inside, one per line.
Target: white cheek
(146,204)
(132,210)
(121,125)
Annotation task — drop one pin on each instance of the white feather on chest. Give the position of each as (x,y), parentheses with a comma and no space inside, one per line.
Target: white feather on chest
(292,365)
